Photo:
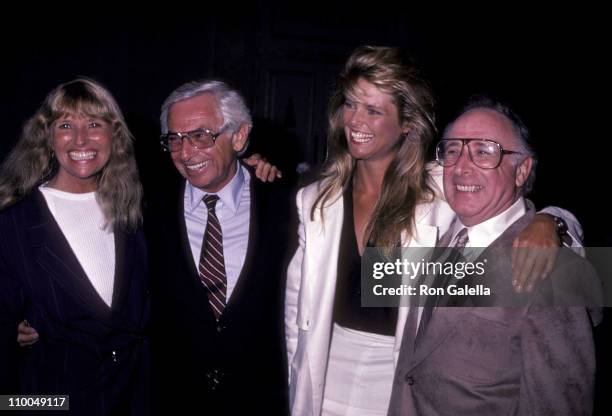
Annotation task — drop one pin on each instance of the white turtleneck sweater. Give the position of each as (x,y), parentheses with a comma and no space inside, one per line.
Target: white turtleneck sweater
(81,220)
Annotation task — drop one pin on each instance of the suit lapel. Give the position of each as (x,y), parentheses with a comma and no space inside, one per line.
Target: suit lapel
(123,252)
(190,272)
(442,323)
(316,300)
(183,237)
(445,319)
(254,229)
(325,235)
(54,255)
(424,237)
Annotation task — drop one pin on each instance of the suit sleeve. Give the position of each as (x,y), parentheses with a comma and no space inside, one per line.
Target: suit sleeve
(558,362)
(294,277)
(11,301)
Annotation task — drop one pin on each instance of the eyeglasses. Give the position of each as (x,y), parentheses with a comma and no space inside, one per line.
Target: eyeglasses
(486,154)
(199,138)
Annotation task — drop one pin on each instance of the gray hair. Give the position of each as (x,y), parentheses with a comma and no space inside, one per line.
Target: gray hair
(522,132)
(231,103)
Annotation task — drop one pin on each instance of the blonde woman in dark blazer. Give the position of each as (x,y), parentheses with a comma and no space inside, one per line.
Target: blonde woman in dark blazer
(72,256)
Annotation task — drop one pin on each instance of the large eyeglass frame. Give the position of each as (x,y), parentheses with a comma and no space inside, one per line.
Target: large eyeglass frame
(208,140)
(466,142)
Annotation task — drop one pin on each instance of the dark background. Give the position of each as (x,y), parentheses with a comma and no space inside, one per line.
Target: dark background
(285,61)
(548,65)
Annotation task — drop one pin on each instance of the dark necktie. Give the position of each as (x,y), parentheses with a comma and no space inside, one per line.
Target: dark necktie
(212,266)
(432,301)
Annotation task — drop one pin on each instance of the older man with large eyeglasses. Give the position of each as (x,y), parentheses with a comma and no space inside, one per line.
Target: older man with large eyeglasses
(217,244)
(528,359)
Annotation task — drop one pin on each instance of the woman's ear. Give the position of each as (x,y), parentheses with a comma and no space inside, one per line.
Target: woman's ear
(406,127)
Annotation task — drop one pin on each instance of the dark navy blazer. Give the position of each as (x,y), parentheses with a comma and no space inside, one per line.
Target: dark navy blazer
(95,353)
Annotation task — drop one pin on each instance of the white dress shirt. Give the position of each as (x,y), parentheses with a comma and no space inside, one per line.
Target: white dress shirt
(480,236)
(483,234)
(234,211)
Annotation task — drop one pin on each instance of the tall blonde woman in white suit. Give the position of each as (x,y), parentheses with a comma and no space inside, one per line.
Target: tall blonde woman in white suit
(376,190)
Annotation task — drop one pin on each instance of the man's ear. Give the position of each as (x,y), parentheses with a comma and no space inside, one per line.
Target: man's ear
(240,137)
(522,171)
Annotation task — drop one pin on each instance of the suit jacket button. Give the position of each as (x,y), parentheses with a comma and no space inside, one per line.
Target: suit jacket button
(409,380)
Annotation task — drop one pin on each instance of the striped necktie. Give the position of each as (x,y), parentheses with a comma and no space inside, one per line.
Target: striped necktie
(212,266)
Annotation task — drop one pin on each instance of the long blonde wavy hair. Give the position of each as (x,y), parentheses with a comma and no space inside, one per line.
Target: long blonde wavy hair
(405,182)
(32,162)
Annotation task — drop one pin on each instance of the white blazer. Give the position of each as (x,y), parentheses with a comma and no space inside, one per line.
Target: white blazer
(311,285)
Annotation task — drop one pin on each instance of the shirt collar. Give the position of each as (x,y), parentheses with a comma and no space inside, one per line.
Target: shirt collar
(483,234)
(229,195)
